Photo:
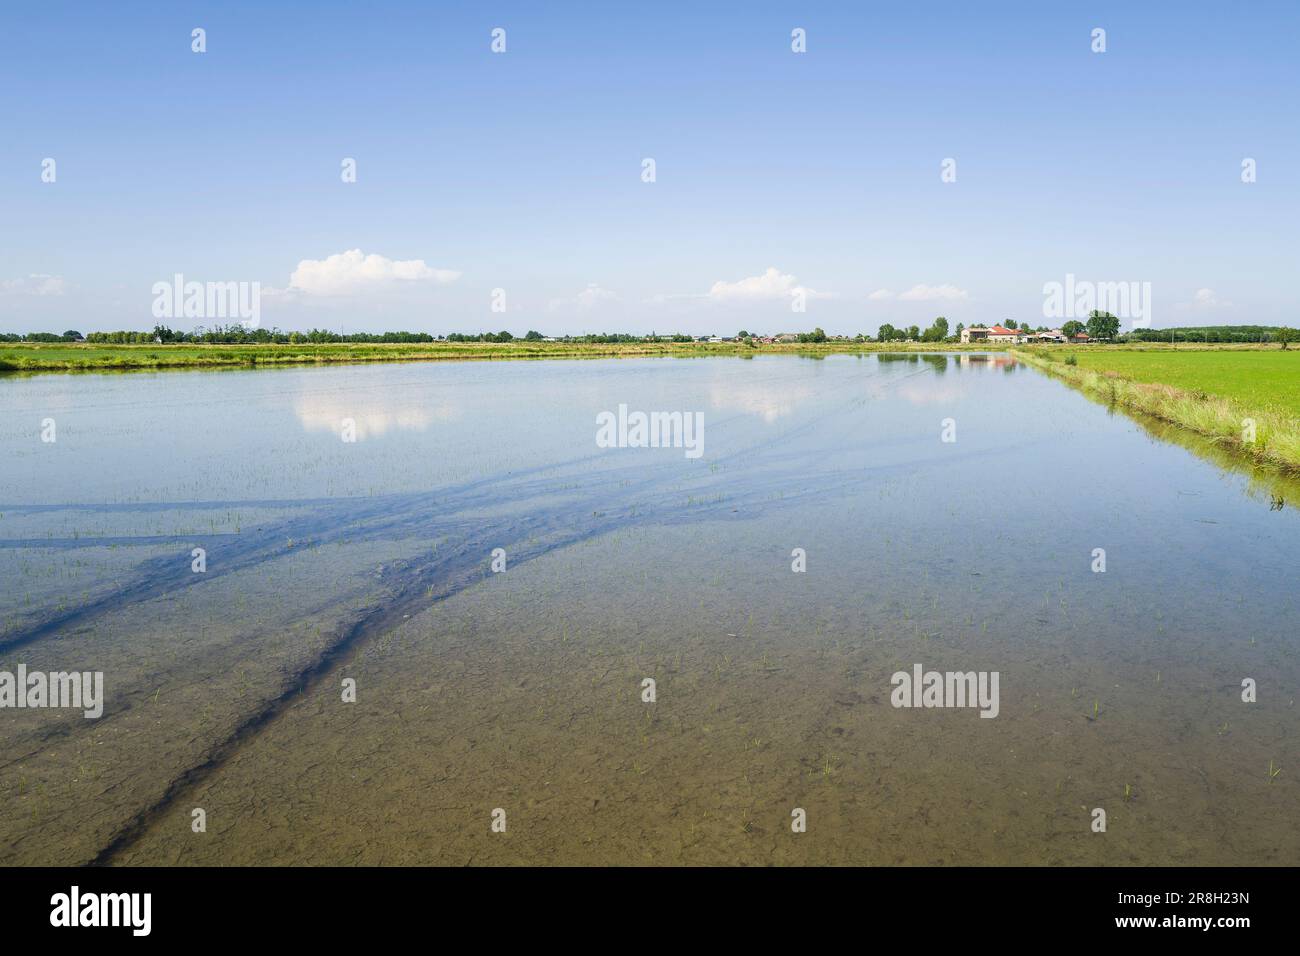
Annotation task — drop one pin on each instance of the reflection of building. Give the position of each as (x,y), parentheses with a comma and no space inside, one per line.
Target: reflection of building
(986,361)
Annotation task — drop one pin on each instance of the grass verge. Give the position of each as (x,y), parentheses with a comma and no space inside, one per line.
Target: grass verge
(1276,434)
(81,357)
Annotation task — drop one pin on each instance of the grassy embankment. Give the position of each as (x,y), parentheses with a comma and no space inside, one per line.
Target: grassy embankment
(1208,390)
(71,357)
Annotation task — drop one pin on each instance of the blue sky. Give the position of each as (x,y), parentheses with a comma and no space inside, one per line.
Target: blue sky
(522,171)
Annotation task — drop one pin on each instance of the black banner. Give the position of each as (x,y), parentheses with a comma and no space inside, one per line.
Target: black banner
(340,905)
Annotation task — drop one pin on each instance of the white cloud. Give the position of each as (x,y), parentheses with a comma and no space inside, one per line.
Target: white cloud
(586,300)
(1205,300)
(35,285)
(772,284)
(354,271)
(931,293)
(880,294)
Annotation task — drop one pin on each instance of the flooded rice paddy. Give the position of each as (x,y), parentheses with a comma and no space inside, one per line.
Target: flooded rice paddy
(370,561)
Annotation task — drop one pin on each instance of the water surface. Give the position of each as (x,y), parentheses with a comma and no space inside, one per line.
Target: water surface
(370,561)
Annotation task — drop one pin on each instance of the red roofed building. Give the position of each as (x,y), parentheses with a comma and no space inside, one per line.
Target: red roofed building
(993,333)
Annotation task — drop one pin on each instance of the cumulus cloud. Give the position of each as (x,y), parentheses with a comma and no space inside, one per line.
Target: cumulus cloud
(35,285)
(932,293)
(1205,300)
(772,284)
(880,294)
(586,300)
(354,271)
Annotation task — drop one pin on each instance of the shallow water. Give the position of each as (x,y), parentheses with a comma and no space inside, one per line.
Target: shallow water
(522,691)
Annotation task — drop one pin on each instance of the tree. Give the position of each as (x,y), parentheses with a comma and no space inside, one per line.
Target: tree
(1072,328)
(913,332)
(886,333)
(533,336)
(71,336)
(1102,325)
(937,332)
(1285,335)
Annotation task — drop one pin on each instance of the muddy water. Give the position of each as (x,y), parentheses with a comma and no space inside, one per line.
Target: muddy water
(369,562)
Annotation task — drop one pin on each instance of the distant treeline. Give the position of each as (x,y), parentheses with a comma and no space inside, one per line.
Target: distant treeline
(1099,326)
(240,335)
(1213,333)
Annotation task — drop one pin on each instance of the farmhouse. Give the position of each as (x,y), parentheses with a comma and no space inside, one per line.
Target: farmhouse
(1006,336)
(994,334)
(997,334)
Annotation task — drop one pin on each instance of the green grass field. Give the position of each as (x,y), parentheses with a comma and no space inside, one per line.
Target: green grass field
(72,357)
(1258,378)
(83,357)
(58,357)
